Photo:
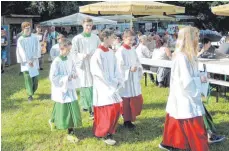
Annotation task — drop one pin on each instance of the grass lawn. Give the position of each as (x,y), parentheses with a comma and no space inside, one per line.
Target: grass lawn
(25,125)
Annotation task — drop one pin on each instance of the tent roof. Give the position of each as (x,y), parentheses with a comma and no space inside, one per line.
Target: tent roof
(76,19)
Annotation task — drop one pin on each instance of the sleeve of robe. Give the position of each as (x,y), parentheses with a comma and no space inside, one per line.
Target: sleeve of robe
(76,52)
(191,84)
(58,80)
(122,67)
(21,56)
(98,73)
(38,55)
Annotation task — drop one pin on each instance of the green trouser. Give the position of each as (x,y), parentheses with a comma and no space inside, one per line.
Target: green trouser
(66,115)
(86,98)
(208,122)
(31,84)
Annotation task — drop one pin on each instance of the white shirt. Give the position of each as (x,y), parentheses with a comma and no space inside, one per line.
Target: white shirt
(185,90)
(160,54)
(107,79)
(143,52)
(81,46)
(126,59)
(63,90)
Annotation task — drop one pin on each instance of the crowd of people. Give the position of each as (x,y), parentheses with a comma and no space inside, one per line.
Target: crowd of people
(107,71)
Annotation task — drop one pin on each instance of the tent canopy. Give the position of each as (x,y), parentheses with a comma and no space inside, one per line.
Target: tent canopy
(131,7)
(222,10)
(76,19)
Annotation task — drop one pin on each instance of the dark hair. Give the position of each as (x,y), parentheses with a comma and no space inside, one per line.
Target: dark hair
(105,34)
(206,41)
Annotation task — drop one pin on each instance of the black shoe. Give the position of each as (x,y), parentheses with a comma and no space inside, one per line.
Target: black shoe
(164,147)
(160,85)
(129,125)
(85,110)
(41,68)
(215,139)
(30,99)
(91,116)
(2,71)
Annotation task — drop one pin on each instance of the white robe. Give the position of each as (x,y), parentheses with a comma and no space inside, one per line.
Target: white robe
(81,46)
(185,90)
(107,79)
(125,60)
(28,50)
(55,51)
(63,90)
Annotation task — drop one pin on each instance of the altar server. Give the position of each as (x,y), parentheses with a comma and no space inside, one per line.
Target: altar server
(131,70)
(84,45)
(184,126)
(28,52)
(64,81)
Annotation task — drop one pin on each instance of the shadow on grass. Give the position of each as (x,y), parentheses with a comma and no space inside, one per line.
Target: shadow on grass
(146,130)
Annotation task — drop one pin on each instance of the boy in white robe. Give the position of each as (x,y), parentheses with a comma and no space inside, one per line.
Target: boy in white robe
(28,52)
(106,82)
(131,69)
(55,50)
(84,45)
(63,77)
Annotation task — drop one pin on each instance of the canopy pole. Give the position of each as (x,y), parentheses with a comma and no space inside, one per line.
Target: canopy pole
(131,21)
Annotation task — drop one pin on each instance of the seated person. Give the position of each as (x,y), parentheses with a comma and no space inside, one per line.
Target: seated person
(162,52)
(224,48)
(207,50)
(143,52)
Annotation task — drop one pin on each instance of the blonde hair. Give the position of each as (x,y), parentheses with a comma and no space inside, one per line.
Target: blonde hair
(25,24)
(187,42)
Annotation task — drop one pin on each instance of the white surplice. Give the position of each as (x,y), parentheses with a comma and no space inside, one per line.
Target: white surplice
(107,79)
(28,50)
(63,90)
(125,60)
(184,99)
(81,46)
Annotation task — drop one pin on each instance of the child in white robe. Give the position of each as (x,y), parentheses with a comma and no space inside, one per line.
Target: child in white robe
(131,69)
(63,77)
(106,82)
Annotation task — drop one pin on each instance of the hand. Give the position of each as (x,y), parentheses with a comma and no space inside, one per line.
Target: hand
(31,64)
(133,69)
(203,79)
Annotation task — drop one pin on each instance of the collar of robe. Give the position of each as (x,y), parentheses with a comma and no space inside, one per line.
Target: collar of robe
(24,35)
(103,48)
(86,34)
(126,46)
(63,58)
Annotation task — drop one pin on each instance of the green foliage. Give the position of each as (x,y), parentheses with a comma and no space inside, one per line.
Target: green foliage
(25,125)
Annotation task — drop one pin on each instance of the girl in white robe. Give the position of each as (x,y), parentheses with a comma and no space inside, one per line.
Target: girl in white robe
(131,70)
(84,46)
(106,82)
(184,126)
(28,52)
(64,80)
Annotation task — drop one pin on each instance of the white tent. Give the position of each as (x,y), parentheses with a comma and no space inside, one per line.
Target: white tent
(156,18)
(76,19)
(120,18)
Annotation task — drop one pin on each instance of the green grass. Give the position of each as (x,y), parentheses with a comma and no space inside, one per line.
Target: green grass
(25,126)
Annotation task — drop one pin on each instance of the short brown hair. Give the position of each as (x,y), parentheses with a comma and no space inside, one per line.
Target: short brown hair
(105,34)
(87,20)
(25,24)
(64,42)
(128,33)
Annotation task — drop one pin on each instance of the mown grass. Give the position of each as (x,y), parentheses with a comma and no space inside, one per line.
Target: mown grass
(25,126)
